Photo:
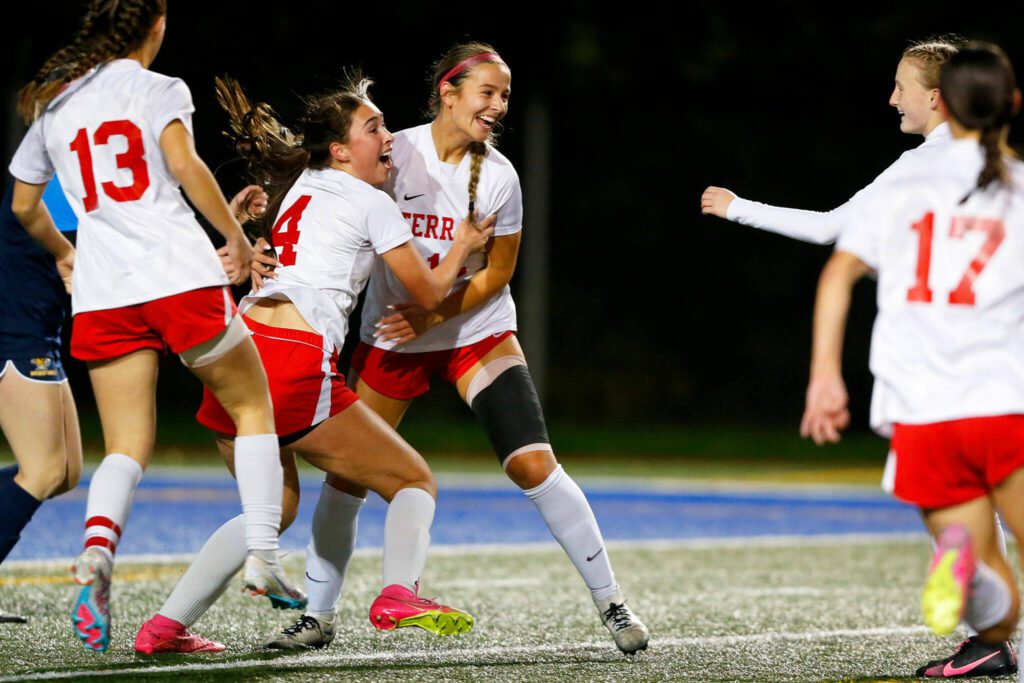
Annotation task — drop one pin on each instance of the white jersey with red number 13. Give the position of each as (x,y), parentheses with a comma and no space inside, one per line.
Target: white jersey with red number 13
(434,199)
(137,238)
(329,228)
(948,342)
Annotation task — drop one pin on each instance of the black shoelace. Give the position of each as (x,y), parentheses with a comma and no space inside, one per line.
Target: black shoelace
(618,615)
(304,622)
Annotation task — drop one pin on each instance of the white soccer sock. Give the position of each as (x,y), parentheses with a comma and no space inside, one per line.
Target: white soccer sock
(568,515)
(989,599)
(407,537)
(261,487)
(330,549)
(209,575)
(110,500)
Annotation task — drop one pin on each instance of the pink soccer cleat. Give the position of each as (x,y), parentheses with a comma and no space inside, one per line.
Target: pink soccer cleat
(160,634)
(398,607)
(947,588)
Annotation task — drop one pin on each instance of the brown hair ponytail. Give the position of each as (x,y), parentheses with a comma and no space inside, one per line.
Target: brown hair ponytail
(110,29)
(275,155)
(978,87)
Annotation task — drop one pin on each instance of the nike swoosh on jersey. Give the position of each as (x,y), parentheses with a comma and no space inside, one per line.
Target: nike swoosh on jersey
(595,554)
(409,197)
(950,670)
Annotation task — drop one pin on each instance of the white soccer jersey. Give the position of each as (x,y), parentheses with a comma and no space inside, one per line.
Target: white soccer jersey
(137,238)
(948,342)
(326,234)
(434,199)
(823,227)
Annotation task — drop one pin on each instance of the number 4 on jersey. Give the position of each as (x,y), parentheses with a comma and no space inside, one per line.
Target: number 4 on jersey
(286,230)
(964,292)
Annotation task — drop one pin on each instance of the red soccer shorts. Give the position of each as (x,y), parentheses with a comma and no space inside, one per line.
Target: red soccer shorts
(305,384)
(947,463)
(177,322)
(404,376)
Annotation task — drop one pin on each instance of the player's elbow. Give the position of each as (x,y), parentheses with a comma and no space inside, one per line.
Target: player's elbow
(23,209)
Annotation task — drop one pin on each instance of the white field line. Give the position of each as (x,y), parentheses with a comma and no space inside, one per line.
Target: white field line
(305,661)
(738,542)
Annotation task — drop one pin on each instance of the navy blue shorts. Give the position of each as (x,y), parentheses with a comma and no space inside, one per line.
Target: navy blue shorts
(45,367)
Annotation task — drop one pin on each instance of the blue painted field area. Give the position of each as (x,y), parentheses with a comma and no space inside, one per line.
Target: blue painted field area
(174,512)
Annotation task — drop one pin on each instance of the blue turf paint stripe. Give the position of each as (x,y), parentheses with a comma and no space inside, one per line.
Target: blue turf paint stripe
(176,513)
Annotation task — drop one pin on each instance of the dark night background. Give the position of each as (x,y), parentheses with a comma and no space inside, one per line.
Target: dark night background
(656,314)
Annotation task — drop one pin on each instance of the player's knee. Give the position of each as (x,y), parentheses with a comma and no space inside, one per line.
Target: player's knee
(505,401)
(44,477)
(530,470)
(418,477)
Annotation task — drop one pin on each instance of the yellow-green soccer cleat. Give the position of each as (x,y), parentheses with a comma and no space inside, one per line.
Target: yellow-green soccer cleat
(399,607)
(949,579)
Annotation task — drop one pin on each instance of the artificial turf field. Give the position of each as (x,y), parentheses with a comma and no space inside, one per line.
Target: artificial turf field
(756,606)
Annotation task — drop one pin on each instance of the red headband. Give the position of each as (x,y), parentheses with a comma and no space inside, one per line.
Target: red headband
(469,64)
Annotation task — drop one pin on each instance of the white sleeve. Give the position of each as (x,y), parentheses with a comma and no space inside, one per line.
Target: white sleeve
(385,226)
(819,227)
(31,163)
(862,235)
(509,203)
(171,102)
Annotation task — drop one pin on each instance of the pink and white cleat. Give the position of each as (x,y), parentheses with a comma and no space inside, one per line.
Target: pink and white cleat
(160,634)
(399,607)
(947,588)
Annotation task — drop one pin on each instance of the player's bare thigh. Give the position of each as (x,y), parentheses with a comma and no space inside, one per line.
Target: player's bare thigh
(49,458)
(125,390)
(361,451)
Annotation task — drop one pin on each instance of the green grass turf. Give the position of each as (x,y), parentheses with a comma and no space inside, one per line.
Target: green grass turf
(728,611)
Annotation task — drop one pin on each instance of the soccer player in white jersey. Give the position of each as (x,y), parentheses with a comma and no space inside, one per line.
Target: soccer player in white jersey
(915,96)
(146,277)
(329,225)
(444,172)
(947,244)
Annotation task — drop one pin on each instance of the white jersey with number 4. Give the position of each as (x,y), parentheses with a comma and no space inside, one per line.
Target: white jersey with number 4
(434,198)
(330,226)
(948,342)
(137,238)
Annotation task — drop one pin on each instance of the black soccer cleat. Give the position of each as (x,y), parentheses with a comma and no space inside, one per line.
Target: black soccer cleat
(973,658)
(12,619)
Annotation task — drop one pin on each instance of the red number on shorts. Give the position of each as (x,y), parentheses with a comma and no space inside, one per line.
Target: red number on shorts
(133,159)
(286,230)
(995,232)
(964,292)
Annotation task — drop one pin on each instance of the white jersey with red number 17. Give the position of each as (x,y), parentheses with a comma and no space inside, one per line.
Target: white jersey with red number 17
(434,199)
(330,226)
(948,342)
(137,238)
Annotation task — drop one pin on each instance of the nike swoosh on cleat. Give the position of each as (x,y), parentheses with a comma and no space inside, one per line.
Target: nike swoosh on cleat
(595,554)
(409,197)
(314,580)
(950,670)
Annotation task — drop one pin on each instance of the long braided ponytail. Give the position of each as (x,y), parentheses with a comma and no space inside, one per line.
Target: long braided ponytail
(453,67)
(110,29)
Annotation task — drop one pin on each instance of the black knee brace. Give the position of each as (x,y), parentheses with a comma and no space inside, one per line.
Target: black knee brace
(510,412)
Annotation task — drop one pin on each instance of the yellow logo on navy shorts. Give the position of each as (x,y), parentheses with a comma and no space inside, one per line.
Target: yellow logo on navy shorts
(42,367)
